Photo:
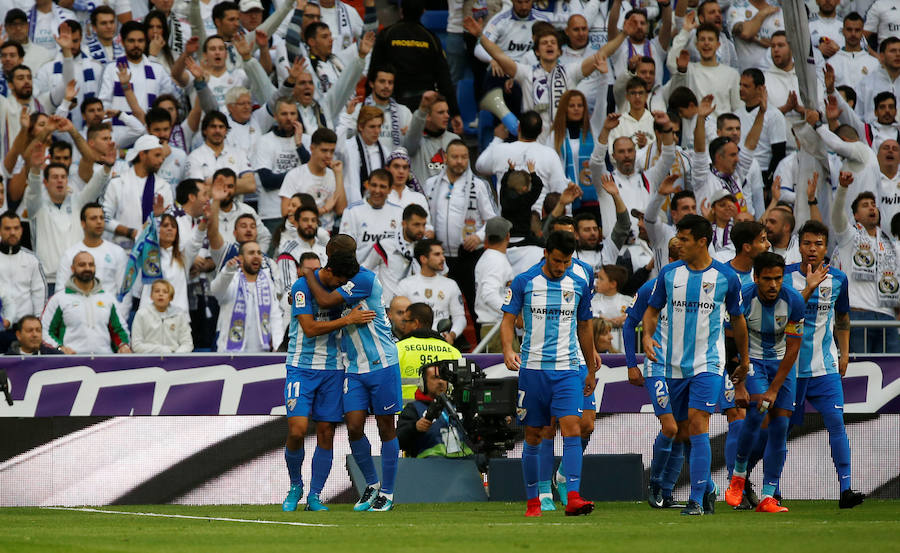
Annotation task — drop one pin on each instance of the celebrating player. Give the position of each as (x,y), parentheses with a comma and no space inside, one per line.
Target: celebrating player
(820,370)
(555,304)
(696,292)
(372,378)
(312,389)
(774,315)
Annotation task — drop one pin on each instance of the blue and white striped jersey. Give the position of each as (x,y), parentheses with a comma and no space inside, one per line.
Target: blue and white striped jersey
(818,354)
(635,315)
(770,324)
(551,309)
(584,270)
(368,347)
(695,303)
(316,352)
(746,278)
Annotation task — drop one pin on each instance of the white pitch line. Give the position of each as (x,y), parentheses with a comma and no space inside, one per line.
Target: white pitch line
(163,515)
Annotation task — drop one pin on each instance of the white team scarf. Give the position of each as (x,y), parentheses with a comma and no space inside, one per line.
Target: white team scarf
(548,88)
(880,266)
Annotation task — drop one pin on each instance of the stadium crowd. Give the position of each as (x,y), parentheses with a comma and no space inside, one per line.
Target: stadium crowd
(169,167)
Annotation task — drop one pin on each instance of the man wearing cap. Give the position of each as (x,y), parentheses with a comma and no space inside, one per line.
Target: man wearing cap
(493,275)
(252,16)
(723,209)
(16,25)
(130,197)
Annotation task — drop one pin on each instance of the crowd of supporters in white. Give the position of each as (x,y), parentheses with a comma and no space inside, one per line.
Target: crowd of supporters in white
(214,147)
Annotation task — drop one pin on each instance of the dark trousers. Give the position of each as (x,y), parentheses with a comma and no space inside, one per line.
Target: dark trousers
(462,271)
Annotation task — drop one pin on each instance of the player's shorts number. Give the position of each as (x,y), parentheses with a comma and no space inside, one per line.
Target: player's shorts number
(521,401)
(346,385)
(659,388)
(294,389)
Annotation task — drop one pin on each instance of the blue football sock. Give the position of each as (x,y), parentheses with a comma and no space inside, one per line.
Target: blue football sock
(662,448)
(572,460)
(701,457)
(390,458)
(294,461)
(759,449)
(530,468)
(776,452)
(547,460)
(321,468)
(731,444)
(362,453)
(745,441)
(673,469)
(840,445)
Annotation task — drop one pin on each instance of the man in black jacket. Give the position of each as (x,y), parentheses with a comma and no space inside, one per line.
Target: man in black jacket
(420,61)
(420,437)
(29,338)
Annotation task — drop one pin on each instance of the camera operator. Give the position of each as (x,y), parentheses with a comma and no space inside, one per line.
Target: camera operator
(420,345)
(424,429)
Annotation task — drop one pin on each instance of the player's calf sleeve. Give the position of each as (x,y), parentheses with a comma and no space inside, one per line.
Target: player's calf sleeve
(530,468)
(321,468)
(572,461)
(759,448)
(546,462)
(294,461)
(701,457)
(776,453)
(840,445)
(662,448)
(390,458)
(731,444)
(362,454)
(746,437)
(673,468)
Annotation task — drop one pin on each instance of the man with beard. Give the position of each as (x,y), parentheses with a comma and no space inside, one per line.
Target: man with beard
(853,61)
(82,318)
(592,248)
(21,98)
(460,204)
(392,257)
(326,66)
(130,196)
(638,42)
(428,137)
(250,318)
(780,233)
(148,79)
(21,277)
(306,218)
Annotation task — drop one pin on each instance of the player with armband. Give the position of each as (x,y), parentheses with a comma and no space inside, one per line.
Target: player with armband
(774,315)
(668,448)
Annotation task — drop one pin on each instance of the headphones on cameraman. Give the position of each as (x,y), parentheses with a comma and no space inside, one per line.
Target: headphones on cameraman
(420,382)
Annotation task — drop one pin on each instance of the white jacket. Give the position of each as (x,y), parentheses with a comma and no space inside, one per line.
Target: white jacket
(155,332)
(225,289)
(87,323)
(22,281)
(55,228)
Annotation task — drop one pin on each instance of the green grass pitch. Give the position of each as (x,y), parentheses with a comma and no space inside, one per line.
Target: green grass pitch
(461,527)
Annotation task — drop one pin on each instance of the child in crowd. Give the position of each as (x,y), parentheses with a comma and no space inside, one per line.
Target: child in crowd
(608,303)
(159,327)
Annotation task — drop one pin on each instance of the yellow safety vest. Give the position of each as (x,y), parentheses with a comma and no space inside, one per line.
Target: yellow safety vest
(415,352)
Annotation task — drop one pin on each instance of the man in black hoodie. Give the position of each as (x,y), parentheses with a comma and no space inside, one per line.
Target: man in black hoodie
(420,61)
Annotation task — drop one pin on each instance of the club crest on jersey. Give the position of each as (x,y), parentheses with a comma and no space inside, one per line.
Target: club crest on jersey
(708,287)
(428,293)
(440,294)
(291,403)
(568,295)
(348,287)
(521,412)
(299,299)
(824,291)
(780,320)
